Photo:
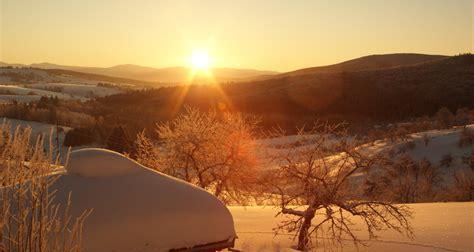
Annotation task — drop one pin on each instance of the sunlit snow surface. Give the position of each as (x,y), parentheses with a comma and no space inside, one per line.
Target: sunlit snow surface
(437,226)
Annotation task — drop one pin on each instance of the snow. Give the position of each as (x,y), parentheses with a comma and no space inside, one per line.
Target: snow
(78,89)
(26,84)
(18,90)
(66,91)
(19,98)
(138,209)
(441,142)
(37,128)
(437,226)
(95,162)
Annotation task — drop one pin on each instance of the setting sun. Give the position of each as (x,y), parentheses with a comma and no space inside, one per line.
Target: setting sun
(200,60)
(343,124)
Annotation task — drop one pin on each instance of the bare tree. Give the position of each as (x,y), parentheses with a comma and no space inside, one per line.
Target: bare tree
(463,186)
(426,139)
(317,186)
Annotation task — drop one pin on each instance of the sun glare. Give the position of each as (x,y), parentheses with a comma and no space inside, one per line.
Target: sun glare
(200,60)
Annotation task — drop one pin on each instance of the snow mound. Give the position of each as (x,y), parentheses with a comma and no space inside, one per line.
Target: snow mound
(95,162)
(138,209)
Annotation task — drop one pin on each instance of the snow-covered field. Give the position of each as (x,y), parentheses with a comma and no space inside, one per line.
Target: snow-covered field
(25,85)
(25,91)
(18,98)
(437,226)
(77,90)
(36,127)
(128,201)
(33,92)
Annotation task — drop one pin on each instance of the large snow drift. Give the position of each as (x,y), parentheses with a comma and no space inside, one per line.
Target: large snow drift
(138,209)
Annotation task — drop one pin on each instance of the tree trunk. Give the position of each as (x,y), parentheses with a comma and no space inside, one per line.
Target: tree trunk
(303,238)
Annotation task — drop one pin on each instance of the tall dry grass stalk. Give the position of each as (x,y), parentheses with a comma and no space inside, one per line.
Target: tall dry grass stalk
(30,220)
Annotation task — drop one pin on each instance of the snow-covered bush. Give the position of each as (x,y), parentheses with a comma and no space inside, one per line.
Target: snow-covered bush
(215,151)
(145,152)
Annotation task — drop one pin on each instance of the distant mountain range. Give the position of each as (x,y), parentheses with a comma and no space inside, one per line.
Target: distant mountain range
(179,75)
(176,75)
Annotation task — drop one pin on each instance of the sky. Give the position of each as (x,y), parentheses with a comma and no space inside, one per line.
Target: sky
(279,35)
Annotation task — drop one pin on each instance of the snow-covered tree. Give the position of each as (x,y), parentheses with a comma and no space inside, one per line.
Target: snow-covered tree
(215,151)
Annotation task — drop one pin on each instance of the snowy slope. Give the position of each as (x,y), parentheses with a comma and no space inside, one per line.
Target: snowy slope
(441,143)
(137,209)
(37,128)
(18,90)
(28,84)
(78,89)
(18,98)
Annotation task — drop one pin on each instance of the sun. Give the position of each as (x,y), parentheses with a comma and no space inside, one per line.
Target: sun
(200,59)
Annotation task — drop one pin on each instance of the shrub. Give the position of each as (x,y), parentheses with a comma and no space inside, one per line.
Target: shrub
(444,118)
(78,137)
(446,160)
(119,140)
(401,179)
(466,137)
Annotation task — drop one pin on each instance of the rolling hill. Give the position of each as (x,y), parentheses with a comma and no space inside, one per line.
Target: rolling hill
(178,75)
(370,62)
(19,74)
(382,94)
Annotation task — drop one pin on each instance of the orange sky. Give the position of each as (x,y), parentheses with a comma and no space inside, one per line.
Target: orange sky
(273,35)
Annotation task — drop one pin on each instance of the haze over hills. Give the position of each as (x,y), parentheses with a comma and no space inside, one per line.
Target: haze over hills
(150,74)
(179,75)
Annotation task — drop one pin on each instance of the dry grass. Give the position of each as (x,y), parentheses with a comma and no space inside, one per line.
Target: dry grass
(30,220)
